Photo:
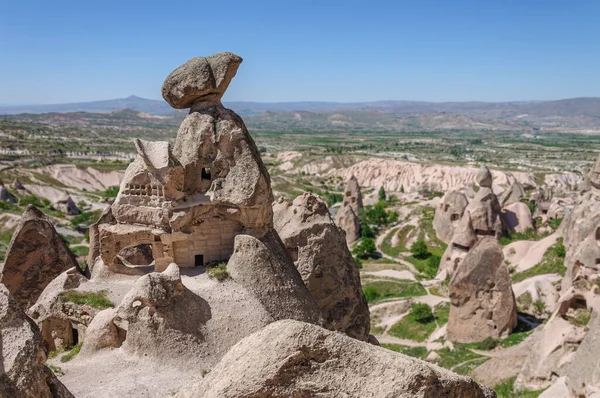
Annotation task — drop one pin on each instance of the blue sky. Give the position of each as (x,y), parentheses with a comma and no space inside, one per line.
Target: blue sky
(446,50)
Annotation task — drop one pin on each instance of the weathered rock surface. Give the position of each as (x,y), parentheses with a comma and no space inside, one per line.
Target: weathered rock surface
(448,214)
(36,255)
(513,194)
(66,204)
(200,79)
(321,255)
(137,255)
(484,177)
(62,324)
(4,194)
(594,174)
(484,211)
(290,358)
(347,216)
(264,267)
(482,301)
(582,373)
(517,217)
(22,356)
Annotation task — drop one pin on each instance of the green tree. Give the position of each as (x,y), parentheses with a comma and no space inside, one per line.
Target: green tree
(364,248)
(419,249)
(421,313)
(401,188)
(381,193)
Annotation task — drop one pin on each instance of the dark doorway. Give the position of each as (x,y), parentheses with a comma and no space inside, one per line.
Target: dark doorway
(75,335)
(199,260)
(205,174)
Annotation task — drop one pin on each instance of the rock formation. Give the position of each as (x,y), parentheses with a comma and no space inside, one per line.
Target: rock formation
(189,203)
(320,253)
(66,205)
(513,194)
(22,356)
(347,215)
(481,217)
(517,217)
(448,214)
(482,301)
(594,174)
(555,344)
(583,378)
(17,184)
(5,195)
(290,358)
(36,255)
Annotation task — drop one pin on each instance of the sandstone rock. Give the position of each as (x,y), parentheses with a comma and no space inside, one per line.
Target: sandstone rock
(513,194)
(66,205)
(594,174)
(482,301)
(538,288)
(582,373)
(557,390)
(62,324)
(555,345)
(347,216)
(18,184)
(36,255)
(265,268)
(585,185)
(484,177)
(516,217)
(448,214)
(290,358)
(200,79)
(191,202)
(433,357)
(137,255)
(22,356)
(484,211)
(347,219)
(320,253)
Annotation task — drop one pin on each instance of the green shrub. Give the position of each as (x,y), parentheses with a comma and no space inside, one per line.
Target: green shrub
(539,306)
(381,290)
(489,343)
(111,192)
(218,271)
(381,193)
(364,248)
(421,313)
(555,223)
(97,300)
(419,249)
(80,250)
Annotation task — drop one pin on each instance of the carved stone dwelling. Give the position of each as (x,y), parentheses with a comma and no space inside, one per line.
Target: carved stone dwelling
(188,203)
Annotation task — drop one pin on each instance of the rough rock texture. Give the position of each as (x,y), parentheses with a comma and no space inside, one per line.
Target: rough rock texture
(482,301)
(560,207)
(265,268)
(555,343)
(189,203)
(137,255)
(200,78)
(517,217)
(296,359)
(581,232)
(448,214)
(347,216)
(321,255)
(17,184)
(484,211)
(513,194)
(583,377)
(66,204)
(594,174)
(4,194)
(22,356)
(539,288)
(484,177)
(36,255)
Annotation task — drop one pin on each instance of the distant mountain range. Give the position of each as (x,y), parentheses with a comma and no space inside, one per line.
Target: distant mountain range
(574,113)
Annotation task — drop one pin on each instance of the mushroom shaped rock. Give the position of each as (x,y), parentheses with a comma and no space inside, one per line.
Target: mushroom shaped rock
(484,211)
(22,356)
(347,219)
(66,204)
(264,267)
(296,359)
(320,253)
(448,214)
(482,301)
(200,79)
(36,255)
(484,177)
(352,194)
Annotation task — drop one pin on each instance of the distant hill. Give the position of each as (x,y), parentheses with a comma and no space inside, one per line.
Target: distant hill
(574,113)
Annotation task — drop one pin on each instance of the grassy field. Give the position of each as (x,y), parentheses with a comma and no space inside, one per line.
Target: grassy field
(382,290)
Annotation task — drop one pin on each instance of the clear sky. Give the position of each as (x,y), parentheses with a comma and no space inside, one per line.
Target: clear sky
(446,50)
